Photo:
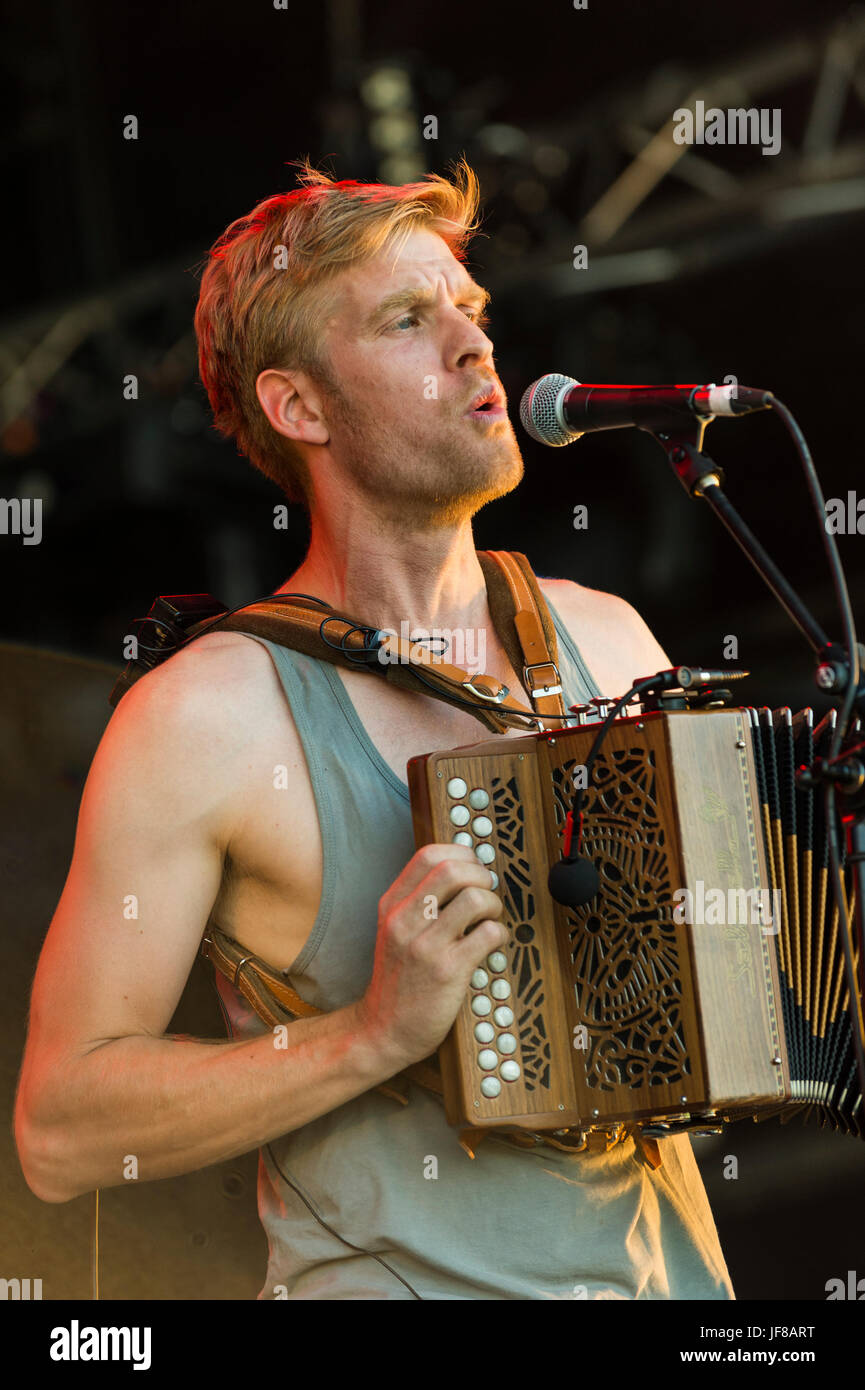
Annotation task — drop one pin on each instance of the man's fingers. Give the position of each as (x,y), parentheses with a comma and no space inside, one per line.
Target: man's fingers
(422,863)
(469,907)
(481,941)
(453,876)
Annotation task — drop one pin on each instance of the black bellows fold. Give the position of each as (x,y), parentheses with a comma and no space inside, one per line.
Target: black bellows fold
(814,992)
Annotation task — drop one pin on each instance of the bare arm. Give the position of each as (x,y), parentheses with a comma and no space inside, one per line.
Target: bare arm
(100,1080)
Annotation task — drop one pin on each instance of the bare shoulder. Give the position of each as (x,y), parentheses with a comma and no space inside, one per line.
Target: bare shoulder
(200,691)
(614,639)
(572,599)
(182,731)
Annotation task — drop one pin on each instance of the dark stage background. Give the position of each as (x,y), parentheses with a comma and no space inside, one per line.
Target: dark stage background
(725,262)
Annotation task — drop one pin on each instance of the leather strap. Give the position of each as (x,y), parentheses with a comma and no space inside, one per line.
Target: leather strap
(269,993)
(537,637)
(520,617)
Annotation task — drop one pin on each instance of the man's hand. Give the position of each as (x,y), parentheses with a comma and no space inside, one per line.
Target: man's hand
(425,952)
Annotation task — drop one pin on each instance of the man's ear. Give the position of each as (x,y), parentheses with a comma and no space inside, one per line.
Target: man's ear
(293,405)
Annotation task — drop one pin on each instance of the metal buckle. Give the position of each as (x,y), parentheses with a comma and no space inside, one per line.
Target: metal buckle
(534,691)
(496,699)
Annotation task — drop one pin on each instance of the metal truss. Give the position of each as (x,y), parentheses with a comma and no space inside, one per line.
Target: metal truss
(710,213)
(674,208)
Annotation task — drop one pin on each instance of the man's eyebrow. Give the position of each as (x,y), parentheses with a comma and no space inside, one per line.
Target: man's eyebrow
(410,298)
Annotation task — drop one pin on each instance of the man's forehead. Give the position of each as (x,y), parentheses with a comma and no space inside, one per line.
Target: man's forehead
(423,263)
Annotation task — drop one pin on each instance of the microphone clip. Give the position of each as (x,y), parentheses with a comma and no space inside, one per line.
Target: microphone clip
(693,468)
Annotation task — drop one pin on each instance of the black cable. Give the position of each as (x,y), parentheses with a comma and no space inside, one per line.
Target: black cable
(848,624)
(166,624)
(839,582)
(265,598)
(361,657)
(577,799)
(321,1221)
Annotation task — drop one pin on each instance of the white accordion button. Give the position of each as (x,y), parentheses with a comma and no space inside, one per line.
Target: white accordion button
(495,879)
(478,799)
(490,1087)
(484,1032)
(460,815)
(501,989)
(456,787)
(509,1071)
(485,853)
(480,979)
(506,1044)
(487,1059)
(504,1016)
(462,837)
(497,962)
(481,825)
(481,1005)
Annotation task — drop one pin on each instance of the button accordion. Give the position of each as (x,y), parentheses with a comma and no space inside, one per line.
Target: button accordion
(705,981)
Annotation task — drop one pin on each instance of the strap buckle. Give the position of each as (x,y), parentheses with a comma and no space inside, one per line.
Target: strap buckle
(495,697)
(536,690)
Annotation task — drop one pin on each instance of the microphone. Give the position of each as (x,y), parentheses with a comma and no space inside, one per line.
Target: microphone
(556,410)
(573,882)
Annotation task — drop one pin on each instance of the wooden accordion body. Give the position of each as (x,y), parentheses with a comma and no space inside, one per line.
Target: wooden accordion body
(623,1011)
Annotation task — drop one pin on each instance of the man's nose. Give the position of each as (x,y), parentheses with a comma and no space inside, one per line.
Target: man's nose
(470,345)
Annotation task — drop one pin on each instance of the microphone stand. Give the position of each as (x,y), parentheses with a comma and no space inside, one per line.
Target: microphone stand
(842,775)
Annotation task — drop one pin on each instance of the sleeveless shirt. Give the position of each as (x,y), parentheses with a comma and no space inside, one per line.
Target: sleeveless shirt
(376,1200)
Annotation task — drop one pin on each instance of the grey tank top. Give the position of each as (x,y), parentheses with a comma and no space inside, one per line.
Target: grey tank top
(376,1200)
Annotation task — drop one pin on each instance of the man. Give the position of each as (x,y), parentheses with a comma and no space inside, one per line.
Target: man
(342,345)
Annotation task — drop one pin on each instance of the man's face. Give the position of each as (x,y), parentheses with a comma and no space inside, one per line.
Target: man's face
(408,359)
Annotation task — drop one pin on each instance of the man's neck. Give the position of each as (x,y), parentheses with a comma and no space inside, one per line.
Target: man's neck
(429,579)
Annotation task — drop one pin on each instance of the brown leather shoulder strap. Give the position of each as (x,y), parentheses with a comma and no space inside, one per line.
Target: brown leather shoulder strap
(516,590)
(520,617)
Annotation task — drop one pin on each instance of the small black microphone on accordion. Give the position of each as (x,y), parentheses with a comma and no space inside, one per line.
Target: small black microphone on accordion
(573,882)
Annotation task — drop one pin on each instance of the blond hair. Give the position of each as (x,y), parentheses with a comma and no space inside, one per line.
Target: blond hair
(264,290)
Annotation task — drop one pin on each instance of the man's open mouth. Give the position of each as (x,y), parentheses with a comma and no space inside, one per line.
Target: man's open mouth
(488,402)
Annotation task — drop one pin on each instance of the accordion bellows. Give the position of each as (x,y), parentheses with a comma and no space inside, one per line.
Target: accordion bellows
(704,982)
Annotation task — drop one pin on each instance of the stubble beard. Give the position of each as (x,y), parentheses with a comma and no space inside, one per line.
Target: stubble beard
(424,477)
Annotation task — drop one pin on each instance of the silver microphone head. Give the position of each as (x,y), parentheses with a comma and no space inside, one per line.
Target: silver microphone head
(540,410)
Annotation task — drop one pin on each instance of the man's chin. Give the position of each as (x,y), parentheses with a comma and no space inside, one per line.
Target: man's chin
(445,484)
(505,473)
(463,495)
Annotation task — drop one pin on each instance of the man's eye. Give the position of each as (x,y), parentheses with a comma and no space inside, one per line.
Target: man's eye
(476,315)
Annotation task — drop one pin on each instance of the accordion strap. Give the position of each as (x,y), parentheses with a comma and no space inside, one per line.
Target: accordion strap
(520,617)
(535,631)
